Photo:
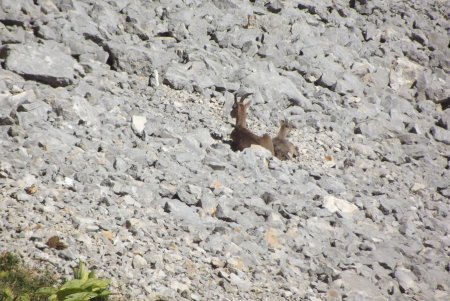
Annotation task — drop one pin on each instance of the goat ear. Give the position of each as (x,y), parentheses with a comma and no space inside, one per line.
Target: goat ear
(248,104)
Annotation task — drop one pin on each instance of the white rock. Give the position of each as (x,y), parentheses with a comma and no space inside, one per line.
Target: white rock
(68,182)
(196,191)
(178,286)
(242,284)
(404,74)
(406,279)
(139,262)
(138,124)
(417,187)
(334,204)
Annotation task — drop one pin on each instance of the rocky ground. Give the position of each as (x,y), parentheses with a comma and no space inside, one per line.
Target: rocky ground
(114,136)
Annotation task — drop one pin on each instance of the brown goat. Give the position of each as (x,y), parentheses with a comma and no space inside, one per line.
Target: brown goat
(241,136)
(284,149)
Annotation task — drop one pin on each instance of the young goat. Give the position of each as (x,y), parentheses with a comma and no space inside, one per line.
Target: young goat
(241,136)
(284,149)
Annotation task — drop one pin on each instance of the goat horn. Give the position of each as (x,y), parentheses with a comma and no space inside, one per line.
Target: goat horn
(243,97)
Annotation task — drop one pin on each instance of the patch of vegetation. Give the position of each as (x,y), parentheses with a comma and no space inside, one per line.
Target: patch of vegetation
(84,287)
(19,283)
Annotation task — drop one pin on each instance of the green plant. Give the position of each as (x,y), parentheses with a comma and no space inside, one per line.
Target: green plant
(6,294)
(85,286)
(18,282)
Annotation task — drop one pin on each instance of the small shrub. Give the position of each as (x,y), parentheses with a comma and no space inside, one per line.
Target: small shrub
(19,283)
(84,287)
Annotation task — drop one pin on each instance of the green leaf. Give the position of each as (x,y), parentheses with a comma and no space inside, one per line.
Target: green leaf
(63,293)
(46,291)
(81,272)
(75,283)
(24,297)
(7,294)
(84,296)
(69,288)
(84,271)
(77,270)
(4,274)
(53,297)
(94,284)
(105,293)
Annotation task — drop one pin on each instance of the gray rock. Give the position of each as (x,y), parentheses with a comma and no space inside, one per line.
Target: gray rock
(371,129)
(139,262)
(331,185)
(242,284)
(406,279)
(120,164)
(359,286)
(432,86)
(225,212)
(136,59)
(404,74)
(349,84)
(440,134)
(194,75)
(187,196)
(365,83)
(176,77)
(181,211)
(445,119)
(107,19)
(45,63)
(83,222)
(32,112)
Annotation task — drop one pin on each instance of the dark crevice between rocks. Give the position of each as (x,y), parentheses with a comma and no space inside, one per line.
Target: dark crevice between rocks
(112,61)
(220,89)
(96,39)
(183,56)
(212,36)
(273,8)
(167,34)
(352,3)
(441,123)
(51,81)
(312,11)
(322,84)
(8,22)
(36,32)
(300,72)
(445,104)
(302,6)
(342,13)
(3,54)
(176,197)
